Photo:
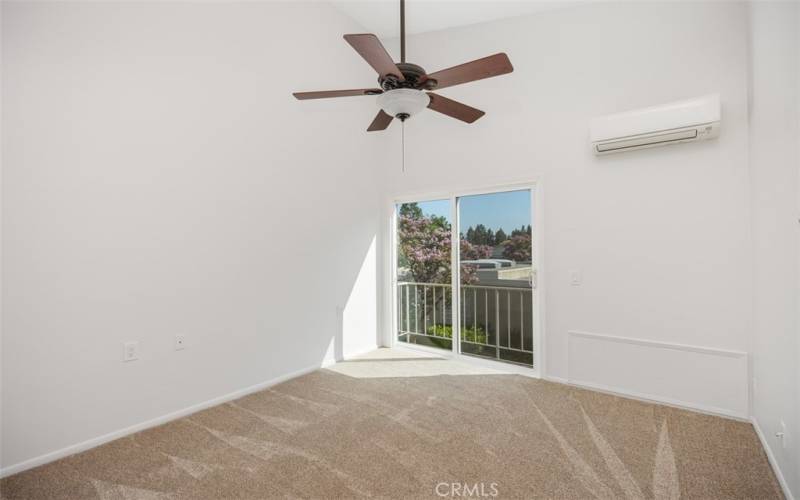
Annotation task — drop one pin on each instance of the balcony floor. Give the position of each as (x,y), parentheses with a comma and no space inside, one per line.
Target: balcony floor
(406,362)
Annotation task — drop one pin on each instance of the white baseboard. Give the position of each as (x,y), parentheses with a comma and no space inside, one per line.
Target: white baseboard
(772,461)
(649,398)
(558,380)
(105,438)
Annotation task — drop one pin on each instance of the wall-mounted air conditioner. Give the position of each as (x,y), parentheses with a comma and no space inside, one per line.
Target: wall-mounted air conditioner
(684,121)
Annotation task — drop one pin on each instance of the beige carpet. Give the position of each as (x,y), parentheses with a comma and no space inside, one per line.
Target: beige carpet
(458,431)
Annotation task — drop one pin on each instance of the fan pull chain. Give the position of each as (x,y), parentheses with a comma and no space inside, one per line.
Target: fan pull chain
(403,142)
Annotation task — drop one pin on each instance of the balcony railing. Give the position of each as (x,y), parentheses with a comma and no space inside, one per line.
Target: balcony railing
(496,321)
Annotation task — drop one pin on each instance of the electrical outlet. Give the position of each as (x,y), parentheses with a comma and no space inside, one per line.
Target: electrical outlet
(180,342)
(130,351)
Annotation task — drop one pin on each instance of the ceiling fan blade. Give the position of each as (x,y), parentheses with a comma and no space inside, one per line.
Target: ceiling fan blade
(478,69)
(381,121)
(373,51)
(335,93)
(453,108)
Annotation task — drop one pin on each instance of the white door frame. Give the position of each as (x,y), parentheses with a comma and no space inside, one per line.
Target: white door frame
(390,337)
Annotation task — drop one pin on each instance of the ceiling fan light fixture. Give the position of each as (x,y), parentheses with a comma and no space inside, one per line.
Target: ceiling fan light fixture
(404,85)
(403,103)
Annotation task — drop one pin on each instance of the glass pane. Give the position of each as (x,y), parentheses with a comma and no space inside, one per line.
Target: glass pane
(496,276)
(424,295)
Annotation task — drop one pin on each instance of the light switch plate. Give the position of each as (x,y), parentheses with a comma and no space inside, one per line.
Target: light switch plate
(130,351)
(180,342)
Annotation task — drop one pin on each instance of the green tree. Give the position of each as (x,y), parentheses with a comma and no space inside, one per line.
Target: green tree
(481,235)
(500,236)
(522,230)
(440,222)
(410,211)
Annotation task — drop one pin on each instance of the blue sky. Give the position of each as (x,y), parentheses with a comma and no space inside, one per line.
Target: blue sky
(509,210)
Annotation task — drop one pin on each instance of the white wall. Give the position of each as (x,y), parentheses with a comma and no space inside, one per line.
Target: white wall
(662,236)
(160,179)
(775,165)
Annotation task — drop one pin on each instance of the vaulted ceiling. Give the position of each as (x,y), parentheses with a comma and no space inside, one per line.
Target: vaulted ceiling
(382,17)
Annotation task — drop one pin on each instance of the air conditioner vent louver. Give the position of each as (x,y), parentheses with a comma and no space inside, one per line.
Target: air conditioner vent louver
(684,121)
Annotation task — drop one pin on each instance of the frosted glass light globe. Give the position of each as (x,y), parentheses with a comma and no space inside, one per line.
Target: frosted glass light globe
(403,102)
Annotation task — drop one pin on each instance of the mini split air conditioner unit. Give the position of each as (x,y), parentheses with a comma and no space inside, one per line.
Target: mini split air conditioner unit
(684,121)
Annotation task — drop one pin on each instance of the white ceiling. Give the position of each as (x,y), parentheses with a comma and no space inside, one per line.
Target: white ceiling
(382,17)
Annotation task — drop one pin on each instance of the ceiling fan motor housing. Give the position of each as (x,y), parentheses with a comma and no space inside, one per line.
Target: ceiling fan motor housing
(415,78)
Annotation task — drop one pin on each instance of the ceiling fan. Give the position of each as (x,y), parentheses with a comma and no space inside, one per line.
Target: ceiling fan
(405,87)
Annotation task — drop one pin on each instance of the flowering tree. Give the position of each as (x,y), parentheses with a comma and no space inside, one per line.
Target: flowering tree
(518,248)
(425,246)
(470,251)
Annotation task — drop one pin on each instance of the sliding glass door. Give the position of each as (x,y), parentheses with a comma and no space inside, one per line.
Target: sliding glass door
(496,276)
(424,274)
(494,295)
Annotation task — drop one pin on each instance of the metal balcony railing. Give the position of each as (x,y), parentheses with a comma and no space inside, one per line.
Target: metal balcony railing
(496,321)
